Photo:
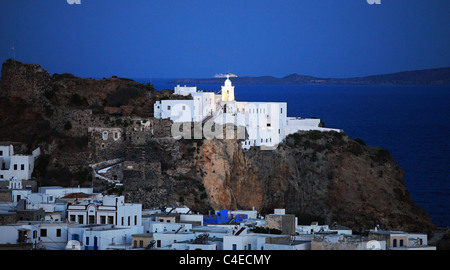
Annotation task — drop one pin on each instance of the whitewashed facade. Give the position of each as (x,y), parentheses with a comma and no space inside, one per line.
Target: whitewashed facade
(266,123)
(112,210)
(16,166)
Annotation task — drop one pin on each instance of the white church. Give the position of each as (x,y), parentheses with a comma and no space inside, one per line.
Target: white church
(266,123)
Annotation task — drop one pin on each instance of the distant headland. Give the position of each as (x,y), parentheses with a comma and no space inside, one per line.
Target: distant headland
(437,76)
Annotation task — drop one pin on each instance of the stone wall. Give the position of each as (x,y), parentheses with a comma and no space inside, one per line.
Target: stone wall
(141,170)
(284,223)
(24,81)
(107,143)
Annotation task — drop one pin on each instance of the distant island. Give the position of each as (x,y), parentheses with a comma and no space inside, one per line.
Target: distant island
(437,76)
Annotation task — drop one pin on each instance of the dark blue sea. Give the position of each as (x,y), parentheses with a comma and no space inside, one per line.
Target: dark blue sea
(412,122)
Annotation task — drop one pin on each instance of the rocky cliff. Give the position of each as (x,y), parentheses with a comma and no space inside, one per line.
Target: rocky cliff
(325,177)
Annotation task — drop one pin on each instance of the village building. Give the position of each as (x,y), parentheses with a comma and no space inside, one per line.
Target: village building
(398,240)
(16,167)
(281,221)
(111,210)
(265,123)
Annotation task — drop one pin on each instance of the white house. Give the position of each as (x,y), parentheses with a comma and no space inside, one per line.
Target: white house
(155,226)
(112,210)
(399,240)
(58,192)
(16,166)
(190,245)
(266,123)
(164,240)
(316,228)
(260,241)
(101,237)
(201,242)
(41,234)
(291,244)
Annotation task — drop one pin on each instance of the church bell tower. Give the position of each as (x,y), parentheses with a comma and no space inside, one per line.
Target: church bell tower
(227,90)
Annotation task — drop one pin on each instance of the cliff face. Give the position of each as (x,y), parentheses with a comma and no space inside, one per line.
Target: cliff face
(318,176)
(326,177)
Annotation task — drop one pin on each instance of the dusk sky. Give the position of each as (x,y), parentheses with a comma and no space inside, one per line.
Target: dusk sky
(199,38)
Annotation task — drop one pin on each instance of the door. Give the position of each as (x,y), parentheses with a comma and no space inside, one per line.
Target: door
(95,243)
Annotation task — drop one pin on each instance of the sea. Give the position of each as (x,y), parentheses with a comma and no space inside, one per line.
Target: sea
(412,122)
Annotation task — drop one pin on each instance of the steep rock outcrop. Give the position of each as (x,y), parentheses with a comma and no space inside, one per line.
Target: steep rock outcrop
(328,177)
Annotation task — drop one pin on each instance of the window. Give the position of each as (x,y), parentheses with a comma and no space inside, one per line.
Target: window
(102,219)
(135,244)
(401,242)
(234,247)
(135,220)
(394,243)
(129,220)
(22,167)
(34,234)
(43,232)
(141,244)
(184,108)
(110,220)
(1,153)
(72,218)
(80,219)
(15,167)
(91,219)
(58,232)
(168,108)
(105,135)
(116,135)
(87,241)
(281,110)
